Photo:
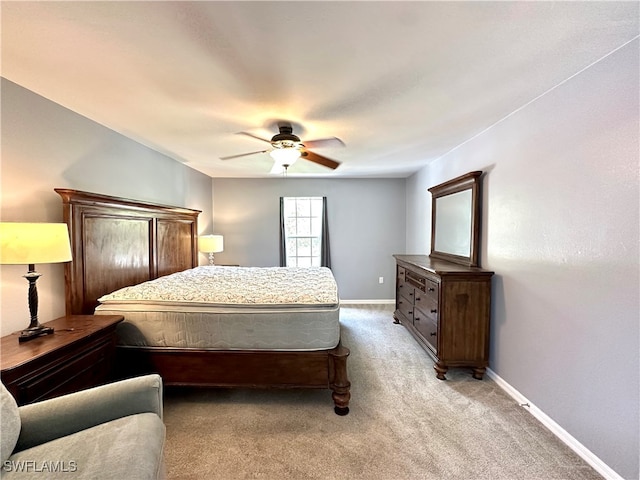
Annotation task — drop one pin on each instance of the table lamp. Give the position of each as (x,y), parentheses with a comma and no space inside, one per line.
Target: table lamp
(211,244)
(28,244)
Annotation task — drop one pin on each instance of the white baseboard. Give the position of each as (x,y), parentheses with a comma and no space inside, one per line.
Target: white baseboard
(586,454)
(389,301)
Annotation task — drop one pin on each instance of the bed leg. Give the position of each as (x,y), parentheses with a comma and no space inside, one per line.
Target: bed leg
(339,381)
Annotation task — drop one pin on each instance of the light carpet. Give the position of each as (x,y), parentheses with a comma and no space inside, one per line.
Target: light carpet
(403,424)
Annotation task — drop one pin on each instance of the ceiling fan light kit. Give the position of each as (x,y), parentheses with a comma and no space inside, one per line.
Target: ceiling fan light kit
(287,148)
(285,156)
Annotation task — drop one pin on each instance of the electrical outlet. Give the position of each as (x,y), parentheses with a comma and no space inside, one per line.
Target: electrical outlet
(380,279)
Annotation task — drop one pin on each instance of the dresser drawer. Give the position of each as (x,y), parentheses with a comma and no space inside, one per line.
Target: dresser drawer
(89,366)
(406,308)
(405,291)
(401,274)
(428,329)
(427,305)
(431,289)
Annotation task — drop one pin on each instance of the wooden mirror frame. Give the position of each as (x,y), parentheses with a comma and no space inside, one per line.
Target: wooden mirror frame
(469,181)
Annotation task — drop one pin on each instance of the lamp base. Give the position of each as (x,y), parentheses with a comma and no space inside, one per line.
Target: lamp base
(34,332)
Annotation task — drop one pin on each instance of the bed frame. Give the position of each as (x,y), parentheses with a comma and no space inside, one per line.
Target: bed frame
(117,242)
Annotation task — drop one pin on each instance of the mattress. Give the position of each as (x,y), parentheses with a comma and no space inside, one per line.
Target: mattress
(230,308)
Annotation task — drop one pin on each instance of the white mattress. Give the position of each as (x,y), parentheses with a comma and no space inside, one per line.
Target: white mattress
(230,308)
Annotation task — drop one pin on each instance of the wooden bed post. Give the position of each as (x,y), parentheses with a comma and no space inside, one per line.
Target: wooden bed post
(339,380)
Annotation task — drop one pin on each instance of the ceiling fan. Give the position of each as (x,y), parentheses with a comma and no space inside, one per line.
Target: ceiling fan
(287,148)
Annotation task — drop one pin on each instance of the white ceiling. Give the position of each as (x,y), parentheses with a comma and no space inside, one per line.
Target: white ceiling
(401,83)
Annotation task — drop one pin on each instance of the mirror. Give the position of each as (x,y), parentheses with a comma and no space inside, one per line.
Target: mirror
(455,219)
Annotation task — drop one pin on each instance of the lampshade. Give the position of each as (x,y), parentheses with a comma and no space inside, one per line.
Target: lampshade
(285,156)
(31,243)
(211,243)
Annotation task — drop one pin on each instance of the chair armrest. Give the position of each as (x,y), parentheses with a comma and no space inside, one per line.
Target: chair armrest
(50,419)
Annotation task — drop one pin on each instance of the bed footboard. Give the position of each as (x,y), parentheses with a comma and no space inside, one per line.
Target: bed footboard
(242,368)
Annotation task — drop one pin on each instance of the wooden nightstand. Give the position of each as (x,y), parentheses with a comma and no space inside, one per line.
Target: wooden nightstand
(79,354)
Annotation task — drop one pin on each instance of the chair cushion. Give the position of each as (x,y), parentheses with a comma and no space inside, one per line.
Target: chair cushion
(9,423)
(129,447)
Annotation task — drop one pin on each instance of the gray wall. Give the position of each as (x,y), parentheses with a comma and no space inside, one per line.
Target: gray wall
(560,229)
(366,226)
(45,146)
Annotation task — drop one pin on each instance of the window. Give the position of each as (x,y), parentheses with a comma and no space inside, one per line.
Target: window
(304,241)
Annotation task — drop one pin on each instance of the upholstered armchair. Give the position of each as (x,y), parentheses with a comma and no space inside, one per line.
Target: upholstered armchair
(114,431)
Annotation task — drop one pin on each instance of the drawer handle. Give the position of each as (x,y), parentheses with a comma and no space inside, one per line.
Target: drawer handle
(433,334)
(431,289)
(410,312)
(411,293)
(434,310)
(417,319)
(417,299)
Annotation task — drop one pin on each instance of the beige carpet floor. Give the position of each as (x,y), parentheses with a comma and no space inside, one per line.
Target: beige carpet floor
(403,424)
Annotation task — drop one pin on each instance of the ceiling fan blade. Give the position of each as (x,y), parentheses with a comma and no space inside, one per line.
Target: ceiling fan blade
(243,155)
(319,159)
(254,136)
(324,142)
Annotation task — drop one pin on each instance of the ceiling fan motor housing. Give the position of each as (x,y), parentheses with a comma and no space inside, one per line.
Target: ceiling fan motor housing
(286,138)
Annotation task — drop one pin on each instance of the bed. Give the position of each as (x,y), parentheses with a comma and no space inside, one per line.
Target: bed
(123,249)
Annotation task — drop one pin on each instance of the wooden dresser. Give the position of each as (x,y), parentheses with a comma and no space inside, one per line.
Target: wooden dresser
(446,307)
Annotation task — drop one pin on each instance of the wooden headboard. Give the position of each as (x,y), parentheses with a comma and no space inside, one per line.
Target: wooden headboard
(117,242)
